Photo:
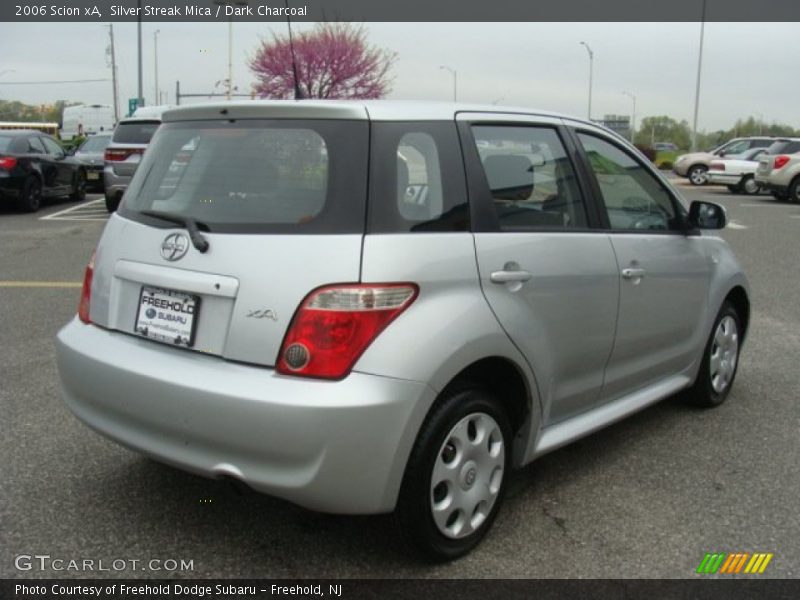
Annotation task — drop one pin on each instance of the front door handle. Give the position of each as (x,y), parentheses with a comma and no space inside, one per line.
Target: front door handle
(510,276)
(632,273)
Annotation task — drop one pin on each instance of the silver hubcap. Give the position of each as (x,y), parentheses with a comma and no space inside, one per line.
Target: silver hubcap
(698,176)
(724,354)
(750,186)
(467,475)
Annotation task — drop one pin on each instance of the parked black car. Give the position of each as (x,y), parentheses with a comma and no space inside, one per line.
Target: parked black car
(34,166)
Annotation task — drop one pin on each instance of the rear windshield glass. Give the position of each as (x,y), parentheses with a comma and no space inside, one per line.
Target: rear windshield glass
(135,132)
(256,176)
(96,143)
(783,147)
(5,143)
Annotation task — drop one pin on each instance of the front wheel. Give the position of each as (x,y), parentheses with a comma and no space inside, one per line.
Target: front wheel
(456,475)
(720,360)
(794,191)
(698,175)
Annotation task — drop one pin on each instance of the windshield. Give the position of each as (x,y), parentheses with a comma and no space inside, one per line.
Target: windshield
(5,142)
(287,176)
(95,144)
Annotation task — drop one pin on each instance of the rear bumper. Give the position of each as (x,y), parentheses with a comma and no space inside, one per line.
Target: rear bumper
(115,185)
(330,446)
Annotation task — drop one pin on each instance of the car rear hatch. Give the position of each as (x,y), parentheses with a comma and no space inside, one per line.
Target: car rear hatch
(280,205)
(128,144)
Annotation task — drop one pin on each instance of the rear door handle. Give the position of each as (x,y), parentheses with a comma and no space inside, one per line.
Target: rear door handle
(632,273)
(510,276)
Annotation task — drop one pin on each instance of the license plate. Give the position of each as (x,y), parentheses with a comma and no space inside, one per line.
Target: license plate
(92,175)
(167,316)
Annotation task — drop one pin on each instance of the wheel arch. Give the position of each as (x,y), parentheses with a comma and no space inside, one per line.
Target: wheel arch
(737,296)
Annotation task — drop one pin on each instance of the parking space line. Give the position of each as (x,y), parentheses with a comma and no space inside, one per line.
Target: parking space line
(40,284)
(86,211)
(760,204)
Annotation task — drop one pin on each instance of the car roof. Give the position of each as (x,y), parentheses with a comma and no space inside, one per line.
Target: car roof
(21,132)
(376,110)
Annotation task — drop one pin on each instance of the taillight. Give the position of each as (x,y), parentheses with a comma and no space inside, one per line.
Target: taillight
(86,292)
(334,326)
(717,166)
(780,161)
(7,162)
(118,154)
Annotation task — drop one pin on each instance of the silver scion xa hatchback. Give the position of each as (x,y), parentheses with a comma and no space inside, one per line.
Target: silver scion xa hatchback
(374,307)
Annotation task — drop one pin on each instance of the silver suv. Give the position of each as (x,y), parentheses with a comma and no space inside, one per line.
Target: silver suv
(123,155)
(779,170)
(374,307)
(695,165)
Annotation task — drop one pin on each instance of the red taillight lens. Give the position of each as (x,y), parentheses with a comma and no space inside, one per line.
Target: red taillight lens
(717,166)
(86,292)
(118,154)
(335,324)
(7,162)
(780,161)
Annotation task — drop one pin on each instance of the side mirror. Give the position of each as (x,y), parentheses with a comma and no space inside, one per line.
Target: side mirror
(707,215)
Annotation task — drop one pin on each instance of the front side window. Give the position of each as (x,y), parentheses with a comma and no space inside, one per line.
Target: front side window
(35,146)
(531,181)
(634,199)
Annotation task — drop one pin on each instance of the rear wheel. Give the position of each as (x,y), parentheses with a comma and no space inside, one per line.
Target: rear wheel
(749,185)
(456,475)
(720,360)
(780,197)
(698,175)
(31,198)
(78,187)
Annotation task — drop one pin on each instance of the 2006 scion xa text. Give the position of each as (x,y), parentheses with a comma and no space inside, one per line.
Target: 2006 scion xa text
(370,307)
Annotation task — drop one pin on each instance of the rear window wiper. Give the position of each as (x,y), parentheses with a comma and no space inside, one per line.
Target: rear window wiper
(191,225)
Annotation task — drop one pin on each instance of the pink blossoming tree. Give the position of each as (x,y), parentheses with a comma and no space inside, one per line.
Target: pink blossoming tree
(333,60)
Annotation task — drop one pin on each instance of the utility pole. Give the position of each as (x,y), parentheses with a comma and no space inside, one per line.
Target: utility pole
(591,69)
(114,72)
(155,65)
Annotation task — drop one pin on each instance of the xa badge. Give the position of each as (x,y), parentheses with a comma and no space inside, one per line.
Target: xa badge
(262,314)
(174,246)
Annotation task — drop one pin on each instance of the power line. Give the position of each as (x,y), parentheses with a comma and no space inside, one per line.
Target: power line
(50,82)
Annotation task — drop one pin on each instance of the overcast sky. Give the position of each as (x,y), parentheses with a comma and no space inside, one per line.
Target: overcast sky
(748,69)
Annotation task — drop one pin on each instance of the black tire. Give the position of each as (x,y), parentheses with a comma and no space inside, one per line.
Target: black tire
(780,197)
(698,175)
(78,187)
(794,191)
(749,185)
(705,392)
(734,189)
(454,411)
(31,198)
(112,203)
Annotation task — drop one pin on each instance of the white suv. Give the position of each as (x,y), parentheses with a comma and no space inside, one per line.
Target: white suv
(370,307)
(779,170)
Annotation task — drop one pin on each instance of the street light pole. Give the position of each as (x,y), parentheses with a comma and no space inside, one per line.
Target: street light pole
(455,81)
(155,65)
(140,97)
(591,69)
(699,69)
(633,117)
(229,87)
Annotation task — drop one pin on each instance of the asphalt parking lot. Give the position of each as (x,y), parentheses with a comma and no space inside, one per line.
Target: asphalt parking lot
(647,497)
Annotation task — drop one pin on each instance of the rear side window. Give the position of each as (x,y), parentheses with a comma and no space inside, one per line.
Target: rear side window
(256,176)
(5,143)
(417,179)
(135,132)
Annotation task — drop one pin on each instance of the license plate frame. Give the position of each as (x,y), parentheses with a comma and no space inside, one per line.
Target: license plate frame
(92,176)
(167,316)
